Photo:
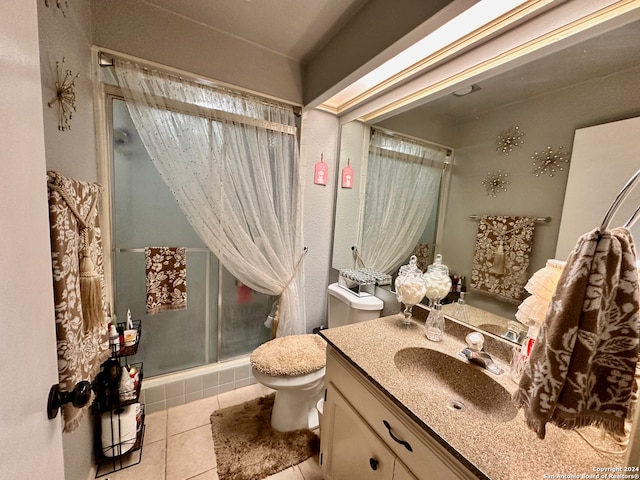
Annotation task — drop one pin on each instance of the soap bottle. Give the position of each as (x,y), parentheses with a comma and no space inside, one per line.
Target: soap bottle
(129,320)
(114,338)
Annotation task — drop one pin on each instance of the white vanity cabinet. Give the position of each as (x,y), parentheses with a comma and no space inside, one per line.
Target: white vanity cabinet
(355,451)
(366,436)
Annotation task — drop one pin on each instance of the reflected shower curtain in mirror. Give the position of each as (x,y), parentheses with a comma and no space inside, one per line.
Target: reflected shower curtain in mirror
(403,183)
(231,161)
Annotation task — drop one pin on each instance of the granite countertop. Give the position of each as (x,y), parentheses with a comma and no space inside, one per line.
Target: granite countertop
(495,448)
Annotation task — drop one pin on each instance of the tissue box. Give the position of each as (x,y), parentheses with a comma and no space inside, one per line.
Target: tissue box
(362,281)
(360,289)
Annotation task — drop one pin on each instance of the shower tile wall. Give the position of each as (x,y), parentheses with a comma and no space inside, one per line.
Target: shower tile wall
(162,393)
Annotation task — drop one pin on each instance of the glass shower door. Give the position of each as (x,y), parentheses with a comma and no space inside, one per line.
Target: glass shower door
(244,312)
(223,319)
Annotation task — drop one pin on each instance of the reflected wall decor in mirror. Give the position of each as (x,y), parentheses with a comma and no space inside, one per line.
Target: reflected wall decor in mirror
(578,103)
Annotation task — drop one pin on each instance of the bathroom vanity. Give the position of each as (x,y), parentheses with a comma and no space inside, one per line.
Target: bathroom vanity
(398,406)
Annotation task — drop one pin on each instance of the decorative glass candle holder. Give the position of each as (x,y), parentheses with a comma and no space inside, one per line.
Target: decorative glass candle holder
(437,281)
(438,284)
(434,326)
(410,287)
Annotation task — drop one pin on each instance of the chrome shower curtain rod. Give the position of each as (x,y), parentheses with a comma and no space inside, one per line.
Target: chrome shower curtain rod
(411,137)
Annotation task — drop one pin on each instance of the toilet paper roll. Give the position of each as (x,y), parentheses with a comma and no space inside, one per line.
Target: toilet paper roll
(119,430)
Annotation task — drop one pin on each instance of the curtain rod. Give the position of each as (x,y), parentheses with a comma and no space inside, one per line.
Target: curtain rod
(106,59)
(388,131)
(537,219)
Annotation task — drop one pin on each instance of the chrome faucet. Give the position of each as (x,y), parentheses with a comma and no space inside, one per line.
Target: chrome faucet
(474,354)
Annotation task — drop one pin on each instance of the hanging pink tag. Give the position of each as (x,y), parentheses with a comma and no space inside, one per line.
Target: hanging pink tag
(347,176)
(322,172)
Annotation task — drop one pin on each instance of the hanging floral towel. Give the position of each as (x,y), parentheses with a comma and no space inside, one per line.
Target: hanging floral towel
(501,257)
(75,231)
(424,255)
(166,269)
(581,369)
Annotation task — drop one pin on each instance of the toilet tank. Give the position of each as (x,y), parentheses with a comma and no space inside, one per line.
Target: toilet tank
(345,307)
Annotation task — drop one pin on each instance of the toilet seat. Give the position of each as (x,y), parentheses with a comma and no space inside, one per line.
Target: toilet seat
(292,355)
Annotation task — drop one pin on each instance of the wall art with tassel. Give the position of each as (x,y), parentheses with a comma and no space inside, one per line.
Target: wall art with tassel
(78,283)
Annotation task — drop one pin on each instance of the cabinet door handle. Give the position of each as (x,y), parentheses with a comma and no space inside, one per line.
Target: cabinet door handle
(373,463)
(401,442)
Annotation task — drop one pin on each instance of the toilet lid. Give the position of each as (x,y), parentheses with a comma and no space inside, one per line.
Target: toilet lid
(291,355)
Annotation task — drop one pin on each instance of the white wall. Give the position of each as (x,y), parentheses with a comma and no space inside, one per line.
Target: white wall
(354,141)
(30,443)
(319,136)
(148,32)
(71,152)
(604,158)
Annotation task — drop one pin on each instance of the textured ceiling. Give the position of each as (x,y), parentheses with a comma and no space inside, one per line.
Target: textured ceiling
(603,55)
(294,28)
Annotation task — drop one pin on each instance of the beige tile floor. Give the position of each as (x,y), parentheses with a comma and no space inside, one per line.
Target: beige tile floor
(178,444)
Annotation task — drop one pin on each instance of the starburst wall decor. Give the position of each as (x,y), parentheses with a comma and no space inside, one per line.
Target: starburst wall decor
(510,139)
(65,96)
(495,182)
(548,161)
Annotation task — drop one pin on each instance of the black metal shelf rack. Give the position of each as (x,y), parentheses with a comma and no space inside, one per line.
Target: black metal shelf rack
(123,448)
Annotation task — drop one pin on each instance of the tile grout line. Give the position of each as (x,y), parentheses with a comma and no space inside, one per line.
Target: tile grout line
(166,443)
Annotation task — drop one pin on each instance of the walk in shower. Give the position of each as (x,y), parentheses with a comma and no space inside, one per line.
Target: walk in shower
(223,320)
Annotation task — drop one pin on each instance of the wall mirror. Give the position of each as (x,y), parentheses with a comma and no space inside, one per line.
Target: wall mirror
(549,99)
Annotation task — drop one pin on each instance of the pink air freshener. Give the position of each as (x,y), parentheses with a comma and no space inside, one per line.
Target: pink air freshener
(347,175)
(321,173)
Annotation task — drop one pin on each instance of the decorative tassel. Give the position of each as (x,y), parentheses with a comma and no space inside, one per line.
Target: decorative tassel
(497,266)
(276,320)
(90,292)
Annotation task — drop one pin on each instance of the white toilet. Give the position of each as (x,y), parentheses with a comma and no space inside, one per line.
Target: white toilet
(345,307)
(294,366)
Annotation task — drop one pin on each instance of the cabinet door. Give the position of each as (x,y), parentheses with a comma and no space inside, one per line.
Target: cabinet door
(401,472)
(392,426)
(351,449)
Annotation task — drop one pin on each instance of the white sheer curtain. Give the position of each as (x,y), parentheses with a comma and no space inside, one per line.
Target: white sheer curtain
(403,183)
(231,161)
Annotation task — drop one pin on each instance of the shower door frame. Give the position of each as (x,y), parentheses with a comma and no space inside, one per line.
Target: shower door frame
(111,93)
